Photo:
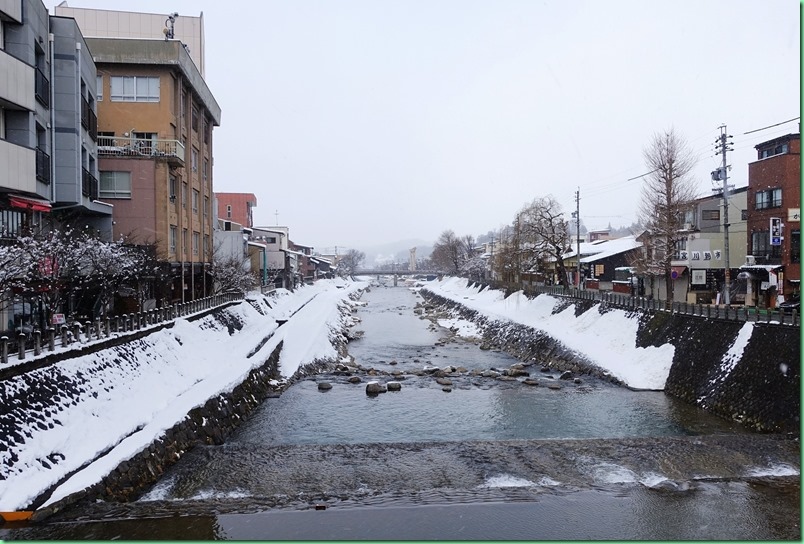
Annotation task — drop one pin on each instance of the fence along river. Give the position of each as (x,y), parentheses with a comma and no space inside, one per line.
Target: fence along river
(489,458)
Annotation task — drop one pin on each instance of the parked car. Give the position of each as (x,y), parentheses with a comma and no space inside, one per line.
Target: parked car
(792,303)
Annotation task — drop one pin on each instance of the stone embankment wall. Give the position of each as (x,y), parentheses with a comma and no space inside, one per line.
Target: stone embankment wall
(210,424)
(759,387)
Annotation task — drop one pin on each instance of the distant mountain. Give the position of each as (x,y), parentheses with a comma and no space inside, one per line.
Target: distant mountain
(398,251)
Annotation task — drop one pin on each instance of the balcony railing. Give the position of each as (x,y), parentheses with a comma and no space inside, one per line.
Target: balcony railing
(85,113)
(42,166)
(89,185)
(170,150)
(42,88)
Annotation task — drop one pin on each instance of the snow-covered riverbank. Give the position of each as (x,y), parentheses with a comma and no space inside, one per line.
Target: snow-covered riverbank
(78,419)
(606,339)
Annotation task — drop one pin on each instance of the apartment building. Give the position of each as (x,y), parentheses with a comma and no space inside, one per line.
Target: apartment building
(155,120)
(237,207)
(47,124)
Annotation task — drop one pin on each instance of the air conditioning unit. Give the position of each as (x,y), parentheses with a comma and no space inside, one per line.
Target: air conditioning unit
(689,226)
(750,260)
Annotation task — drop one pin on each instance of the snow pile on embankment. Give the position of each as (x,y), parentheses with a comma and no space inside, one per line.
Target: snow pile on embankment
(607,340)
(79,418)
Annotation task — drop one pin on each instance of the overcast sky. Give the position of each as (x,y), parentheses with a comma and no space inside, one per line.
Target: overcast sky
(364,122)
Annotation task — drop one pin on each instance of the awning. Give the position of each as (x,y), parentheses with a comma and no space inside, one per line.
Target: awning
(677,271)
(26,203)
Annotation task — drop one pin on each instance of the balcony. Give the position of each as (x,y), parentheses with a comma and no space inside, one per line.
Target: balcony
(89,185)
(169,150)
(42,166)
(42,88)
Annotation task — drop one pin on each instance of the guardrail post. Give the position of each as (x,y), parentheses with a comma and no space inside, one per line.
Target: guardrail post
(4,349)
(97,328)
(37,334)
(64,335)
(107,327)
(77,332)
(21,346)
(88,331)
(51,339)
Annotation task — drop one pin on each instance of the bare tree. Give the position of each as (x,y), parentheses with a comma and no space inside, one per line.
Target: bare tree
(545,233)
(448,253)
(350,262)
(666,196)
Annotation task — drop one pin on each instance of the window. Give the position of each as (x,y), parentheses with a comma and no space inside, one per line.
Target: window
(710,215)
(271,239)
(228,211)
(134,89)
(207,131)
(184,241)
(196,242)
(771,198)
(196,196)
(795,246)
(115,185)
(195,160)
(744,215)
(206,169)
(206,206)
(771,151)
(681,250)
(99,88)
(173,233)
(184,195)
(195,119)
(761,247)
(172,188)
(206,245)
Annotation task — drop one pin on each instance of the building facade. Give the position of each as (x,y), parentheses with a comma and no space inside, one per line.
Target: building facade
(773,264)
(48,142)
(155,121)
(237,207)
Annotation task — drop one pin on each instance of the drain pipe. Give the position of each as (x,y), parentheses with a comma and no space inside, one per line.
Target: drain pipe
(51,38)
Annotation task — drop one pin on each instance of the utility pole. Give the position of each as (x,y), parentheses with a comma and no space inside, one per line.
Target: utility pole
(578,231)
(721,174)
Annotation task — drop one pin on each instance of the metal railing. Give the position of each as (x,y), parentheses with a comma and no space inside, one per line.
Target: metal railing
(42,88)
(628,302)
(89,185)
(140,147)
(42,166)
(38,342)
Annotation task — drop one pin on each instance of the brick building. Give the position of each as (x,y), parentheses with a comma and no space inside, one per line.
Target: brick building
(773,264)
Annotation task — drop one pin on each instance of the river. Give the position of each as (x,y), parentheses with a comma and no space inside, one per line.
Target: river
(474,457)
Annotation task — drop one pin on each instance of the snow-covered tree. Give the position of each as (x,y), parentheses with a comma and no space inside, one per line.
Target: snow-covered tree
(350,262)
(232,274)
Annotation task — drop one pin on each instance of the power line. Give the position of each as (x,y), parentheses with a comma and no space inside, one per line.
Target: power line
(771,126)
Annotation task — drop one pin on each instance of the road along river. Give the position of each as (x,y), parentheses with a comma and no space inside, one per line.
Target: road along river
(466,452)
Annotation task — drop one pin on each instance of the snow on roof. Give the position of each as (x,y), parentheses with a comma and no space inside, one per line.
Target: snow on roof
(612,247)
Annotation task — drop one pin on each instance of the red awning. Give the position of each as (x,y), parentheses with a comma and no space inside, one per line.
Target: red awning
(26,203)
(677,271)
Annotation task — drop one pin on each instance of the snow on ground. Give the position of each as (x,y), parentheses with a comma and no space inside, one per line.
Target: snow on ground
(607,340)
(131,394)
